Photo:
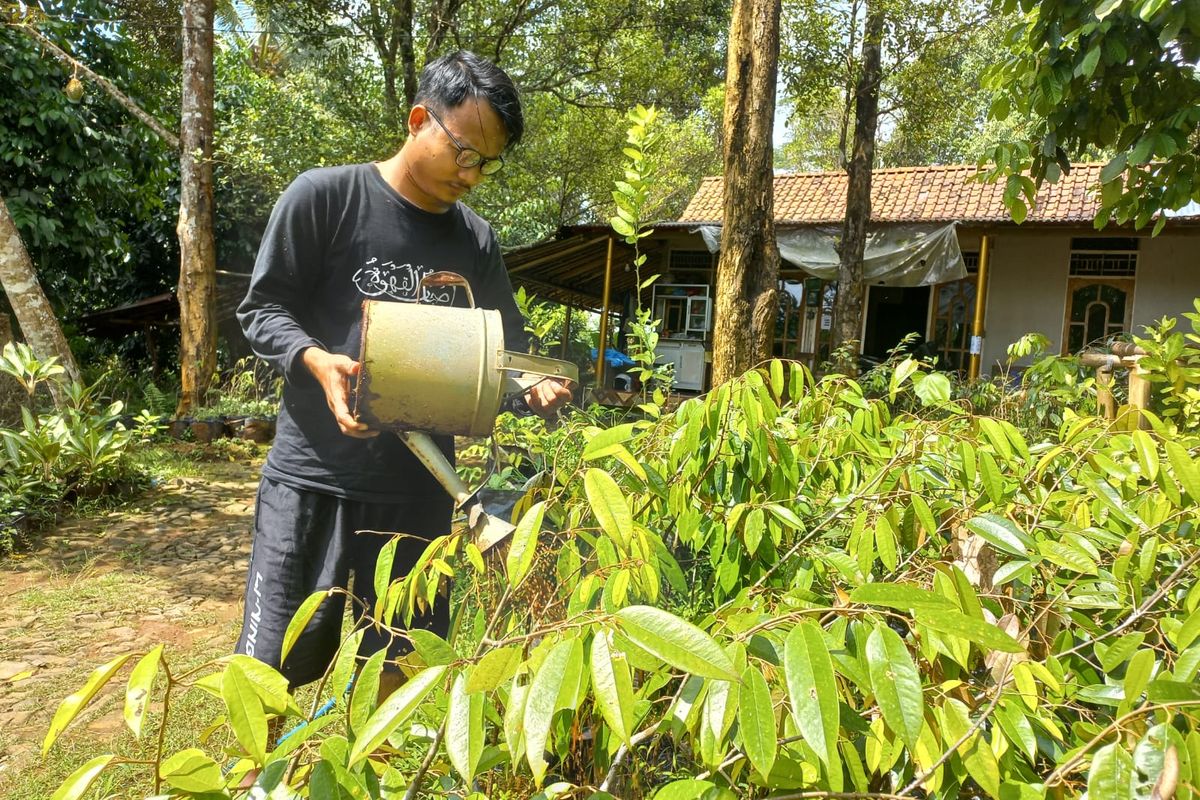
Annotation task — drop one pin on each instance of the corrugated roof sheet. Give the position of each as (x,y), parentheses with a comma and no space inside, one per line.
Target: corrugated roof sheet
(912,194)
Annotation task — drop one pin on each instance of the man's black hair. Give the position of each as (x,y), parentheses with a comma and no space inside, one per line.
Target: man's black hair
(450,80)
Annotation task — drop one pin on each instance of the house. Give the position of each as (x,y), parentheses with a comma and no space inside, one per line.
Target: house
(926,258)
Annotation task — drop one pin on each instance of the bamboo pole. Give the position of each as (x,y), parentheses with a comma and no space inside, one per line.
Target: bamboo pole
(1139,390)
(981,287)
(604,306)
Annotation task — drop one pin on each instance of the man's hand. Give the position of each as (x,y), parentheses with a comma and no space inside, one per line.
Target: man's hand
(334,373)
(548,395)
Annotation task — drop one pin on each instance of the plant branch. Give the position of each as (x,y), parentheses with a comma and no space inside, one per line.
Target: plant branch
(116,94)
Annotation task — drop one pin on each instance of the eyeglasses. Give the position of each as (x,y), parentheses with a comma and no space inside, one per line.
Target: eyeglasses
(469,157)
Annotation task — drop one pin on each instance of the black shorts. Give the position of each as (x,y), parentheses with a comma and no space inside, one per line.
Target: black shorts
(305,541)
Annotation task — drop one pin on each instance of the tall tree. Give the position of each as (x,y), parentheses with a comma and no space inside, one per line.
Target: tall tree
(197,269)
(848,309)
(1116,77)
(748,270)
(34,313)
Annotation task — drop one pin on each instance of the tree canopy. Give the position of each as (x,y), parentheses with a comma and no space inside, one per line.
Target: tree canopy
(1116,78)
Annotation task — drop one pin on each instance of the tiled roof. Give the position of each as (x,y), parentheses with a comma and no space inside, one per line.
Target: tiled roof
(912,194)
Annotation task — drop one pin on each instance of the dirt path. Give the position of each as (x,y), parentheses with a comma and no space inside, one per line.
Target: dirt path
(168,568)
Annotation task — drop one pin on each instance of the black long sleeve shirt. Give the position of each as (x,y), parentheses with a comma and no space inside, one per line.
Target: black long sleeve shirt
(337,236)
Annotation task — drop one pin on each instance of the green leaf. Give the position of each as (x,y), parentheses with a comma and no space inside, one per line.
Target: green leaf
(137,692)
(1106,7)
(464,729)
(245,712)
(1091,60)
(684,789)
(675,641)
(496,667)
(300,621)
(756,721)
(885,543)
(613,686)
(394,711)
(1185,469)
(433,649)
(523,546)
(1112,775)
(609,506)
(1165,691)
(1002,533)
(621,226)
(192,770)
(541,704)
(977,631)
(603,443)
(365,697)
(808,669)
(977,756)
(989,474)
(81,779)
(1138,674)
(904,596)
(70,707)
(1147,453)
(896,684)
(933,389)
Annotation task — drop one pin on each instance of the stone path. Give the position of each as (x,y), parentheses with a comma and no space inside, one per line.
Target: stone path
(168,568)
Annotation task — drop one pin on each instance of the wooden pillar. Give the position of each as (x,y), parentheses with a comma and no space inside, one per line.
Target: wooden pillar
(1139,390)
(981,288)
(1105,402)
(604,306)
(566,333)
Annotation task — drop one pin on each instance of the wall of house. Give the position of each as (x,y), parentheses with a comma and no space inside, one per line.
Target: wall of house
(1027,289)
(1168,278)
(1030,270)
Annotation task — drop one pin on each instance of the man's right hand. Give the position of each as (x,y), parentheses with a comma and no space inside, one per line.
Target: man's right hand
(334,372)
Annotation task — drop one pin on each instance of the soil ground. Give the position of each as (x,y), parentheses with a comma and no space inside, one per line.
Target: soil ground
(167,567)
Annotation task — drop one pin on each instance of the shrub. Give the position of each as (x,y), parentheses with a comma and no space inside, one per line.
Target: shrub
(56,457)
(784,586)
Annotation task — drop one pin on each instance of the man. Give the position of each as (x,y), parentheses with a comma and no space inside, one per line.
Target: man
(336,237)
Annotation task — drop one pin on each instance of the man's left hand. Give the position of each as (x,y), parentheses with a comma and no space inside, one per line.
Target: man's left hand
(548,395)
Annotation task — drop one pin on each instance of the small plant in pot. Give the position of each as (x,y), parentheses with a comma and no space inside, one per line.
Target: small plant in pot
(207,424)
(252,419)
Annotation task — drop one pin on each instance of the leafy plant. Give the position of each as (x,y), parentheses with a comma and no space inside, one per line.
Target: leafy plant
(783,587)
(53,458)
(632,197)
(1173,362)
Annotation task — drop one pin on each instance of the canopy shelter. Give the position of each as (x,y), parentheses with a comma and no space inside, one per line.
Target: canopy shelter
(570,268)
(150,315)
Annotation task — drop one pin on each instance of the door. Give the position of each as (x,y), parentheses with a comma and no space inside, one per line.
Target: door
(893,312)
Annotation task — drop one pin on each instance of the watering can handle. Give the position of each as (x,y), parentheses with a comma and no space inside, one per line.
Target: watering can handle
(540,366)
(445,278)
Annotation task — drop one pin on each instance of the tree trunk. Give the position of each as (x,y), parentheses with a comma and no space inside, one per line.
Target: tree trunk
(29,303)
(848,310)
(748,271)
(197,268)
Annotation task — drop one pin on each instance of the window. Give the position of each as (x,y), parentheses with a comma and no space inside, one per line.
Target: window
(683,260)
(1103,256)
(1096,311)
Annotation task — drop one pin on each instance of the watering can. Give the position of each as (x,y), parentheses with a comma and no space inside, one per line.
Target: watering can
(444,370)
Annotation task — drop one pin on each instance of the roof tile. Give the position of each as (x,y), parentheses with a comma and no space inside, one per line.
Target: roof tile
(912,194)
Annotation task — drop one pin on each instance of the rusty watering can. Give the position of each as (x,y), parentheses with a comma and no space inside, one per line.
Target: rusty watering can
(440,369)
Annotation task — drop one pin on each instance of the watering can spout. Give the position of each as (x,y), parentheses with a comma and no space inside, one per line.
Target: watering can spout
(488,530)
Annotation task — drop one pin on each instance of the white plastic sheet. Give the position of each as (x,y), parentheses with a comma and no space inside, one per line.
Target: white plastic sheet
(896,254)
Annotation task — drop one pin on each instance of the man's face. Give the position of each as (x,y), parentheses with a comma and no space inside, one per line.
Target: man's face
(433,178)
